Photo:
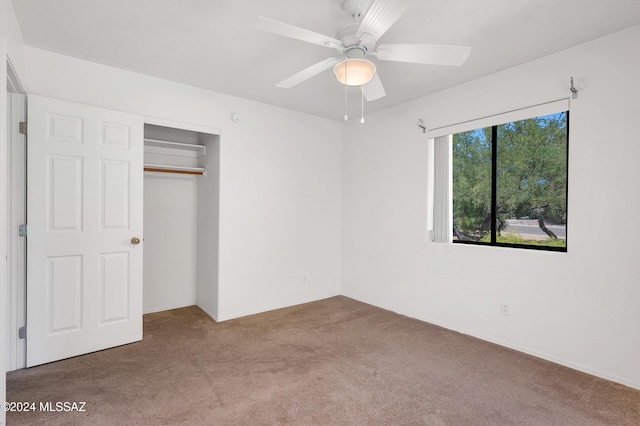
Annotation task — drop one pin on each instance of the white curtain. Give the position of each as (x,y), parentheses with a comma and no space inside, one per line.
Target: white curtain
(500,118)
(442,191)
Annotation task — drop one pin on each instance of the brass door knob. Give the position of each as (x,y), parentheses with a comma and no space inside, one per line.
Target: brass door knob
(135,240)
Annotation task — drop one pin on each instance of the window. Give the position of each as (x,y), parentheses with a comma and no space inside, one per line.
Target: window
(508,183)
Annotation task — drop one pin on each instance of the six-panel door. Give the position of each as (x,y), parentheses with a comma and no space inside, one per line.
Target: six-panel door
(84,207)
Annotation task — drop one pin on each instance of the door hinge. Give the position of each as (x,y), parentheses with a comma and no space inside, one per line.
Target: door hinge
(22,230)
(22,127)
(22,332)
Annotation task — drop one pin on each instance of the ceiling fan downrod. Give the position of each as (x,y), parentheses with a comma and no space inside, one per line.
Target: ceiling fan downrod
(356,8)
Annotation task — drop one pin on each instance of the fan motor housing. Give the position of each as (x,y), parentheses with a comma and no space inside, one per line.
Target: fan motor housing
(347,35)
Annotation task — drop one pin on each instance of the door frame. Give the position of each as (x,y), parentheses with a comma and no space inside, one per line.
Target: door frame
(16,191)
(9,76)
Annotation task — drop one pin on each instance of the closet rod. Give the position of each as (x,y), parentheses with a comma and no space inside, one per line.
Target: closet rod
(184,172)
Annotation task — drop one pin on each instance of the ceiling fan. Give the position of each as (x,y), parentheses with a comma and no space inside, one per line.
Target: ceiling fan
(357,40)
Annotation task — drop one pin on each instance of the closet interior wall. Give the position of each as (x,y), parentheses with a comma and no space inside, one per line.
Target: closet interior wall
(180,219)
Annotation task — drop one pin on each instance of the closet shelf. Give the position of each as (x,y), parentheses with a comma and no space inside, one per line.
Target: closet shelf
(174,148)
(163,168)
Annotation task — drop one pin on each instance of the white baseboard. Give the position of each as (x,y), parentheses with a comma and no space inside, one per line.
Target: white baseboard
(519,348)
(166,307)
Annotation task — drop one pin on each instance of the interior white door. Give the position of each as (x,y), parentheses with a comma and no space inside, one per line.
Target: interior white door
(84,214)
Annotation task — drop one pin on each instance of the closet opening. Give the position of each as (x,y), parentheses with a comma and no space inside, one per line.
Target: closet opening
(181,193)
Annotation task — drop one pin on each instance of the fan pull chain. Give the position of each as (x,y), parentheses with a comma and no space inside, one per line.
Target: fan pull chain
(362,105)
(346,117)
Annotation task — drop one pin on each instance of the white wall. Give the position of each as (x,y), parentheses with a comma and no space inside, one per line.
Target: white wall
(11,34)
(4,208)
(170,241)
(207,284)
(280,179)
(578,308)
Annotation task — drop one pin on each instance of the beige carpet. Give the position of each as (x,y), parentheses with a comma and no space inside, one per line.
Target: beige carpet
(332,362)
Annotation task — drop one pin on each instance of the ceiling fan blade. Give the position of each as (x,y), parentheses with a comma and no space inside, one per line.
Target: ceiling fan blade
(432,54)
(307,73)
(373,90)
(292,31)
(382,14)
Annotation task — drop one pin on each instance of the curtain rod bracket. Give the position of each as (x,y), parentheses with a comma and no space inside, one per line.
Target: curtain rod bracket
(574,91)
(421,125)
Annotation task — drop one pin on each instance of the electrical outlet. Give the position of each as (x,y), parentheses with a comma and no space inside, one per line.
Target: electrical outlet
(505,308)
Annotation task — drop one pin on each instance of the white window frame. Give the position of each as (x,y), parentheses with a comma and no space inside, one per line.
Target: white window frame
(439,149)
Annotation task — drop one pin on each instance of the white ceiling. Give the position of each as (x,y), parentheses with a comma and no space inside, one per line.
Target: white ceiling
(207,43)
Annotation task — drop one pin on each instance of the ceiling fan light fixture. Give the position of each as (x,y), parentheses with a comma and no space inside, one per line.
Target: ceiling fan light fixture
(354,72)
